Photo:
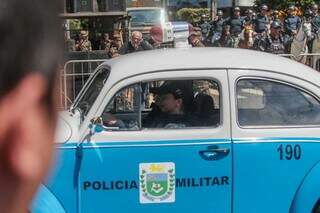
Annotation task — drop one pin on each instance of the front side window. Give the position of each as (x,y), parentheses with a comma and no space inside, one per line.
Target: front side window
(91,92)
(268,103)
(171,104)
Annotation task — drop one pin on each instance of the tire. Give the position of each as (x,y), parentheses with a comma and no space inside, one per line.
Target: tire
(316,208)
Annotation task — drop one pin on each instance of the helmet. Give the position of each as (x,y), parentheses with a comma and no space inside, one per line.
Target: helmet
(248,11)
(236,9)
(276,25)
(275,12)
(308,13)
(291,7)
(264,7)
(204,16)
(220,13)
(314,7)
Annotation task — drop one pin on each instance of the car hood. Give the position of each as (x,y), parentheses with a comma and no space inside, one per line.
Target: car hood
(66,127)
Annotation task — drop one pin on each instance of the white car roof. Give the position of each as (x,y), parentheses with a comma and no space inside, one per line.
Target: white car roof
(144,8)
(205,58)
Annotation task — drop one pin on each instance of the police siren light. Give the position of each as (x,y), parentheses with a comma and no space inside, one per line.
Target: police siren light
(181,33)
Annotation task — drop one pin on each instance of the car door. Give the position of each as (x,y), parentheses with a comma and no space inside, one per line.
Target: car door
(275,132)
(157,170)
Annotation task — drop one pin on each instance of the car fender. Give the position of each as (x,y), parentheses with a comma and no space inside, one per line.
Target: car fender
(46,202)
(308,192)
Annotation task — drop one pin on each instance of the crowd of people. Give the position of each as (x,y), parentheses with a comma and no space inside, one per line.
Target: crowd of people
(113,46)
(265,30)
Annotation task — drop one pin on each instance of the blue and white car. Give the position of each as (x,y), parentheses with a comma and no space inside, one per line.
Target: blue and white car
(255,145)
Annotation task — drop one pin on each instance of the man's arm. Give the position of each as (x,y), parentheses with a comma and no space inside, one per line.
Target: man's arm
(146,45)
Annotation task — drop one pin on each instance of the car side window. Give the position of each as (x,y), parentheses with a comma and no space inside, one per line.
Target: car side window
(270,103)
(122,112)
(166,104)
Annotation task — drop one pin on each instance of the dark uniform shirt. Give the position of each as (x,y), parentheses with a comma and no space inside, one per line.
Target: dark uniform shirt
(217,25)
(275,45)
(128,48)
(315,24)
(165,120)
(260,23)
(236,25)
(205,28)
(248,20)
(291,23)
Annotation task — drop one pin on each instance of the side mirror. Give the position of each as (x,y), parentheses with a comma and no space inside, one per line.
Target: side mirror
(96,125)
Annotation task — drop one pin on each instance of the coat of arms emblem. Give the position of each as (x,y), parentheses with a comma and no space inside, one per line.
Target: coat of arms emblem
(157,182)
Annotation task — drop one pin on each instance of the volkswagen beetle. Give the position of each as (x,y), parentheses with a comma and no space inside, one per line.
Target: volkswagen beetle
(244,136)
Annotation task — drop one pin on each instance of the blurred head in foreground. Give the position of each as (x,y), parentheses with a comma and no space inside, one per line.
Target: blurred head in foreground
(30,45)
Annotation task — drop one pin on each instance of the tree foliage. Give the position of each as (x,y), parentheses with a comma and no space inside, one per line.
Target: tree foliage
(192,15)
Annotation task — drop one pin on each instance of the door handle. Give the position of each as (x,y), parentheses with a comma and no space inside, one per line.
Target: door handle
(214,153)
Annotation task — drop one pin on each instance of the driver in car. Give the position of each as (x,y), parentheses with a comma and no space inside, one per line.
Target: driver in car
(169,109)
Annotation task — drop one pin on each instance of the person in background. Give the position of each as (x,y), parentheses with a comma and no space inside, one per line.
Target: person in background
(105,43)
(248,19)
(195,38)
(217,27)
(315,21)
(292,24)
(84,45)
(116,45)
(205,27)
(275,42)
(27,100)
(156,36)
(136,43)
(275,16)
(235,22)
(261,23)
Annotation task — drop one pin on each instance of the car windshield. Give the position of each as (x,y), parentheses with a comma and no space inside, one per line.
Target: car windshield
(91,92)
(145,17)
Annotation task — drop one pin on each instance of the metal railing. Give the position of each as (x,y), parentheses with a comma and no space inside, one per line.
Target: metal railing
(76,73)
(310,59)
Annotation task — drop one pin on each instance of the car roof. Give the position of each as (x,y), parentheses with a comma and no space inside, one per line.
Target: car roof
(205,58)
(144,8)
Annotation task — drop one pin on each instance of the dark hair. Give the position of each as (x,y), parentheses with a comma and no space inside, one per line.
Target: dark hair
(30,41)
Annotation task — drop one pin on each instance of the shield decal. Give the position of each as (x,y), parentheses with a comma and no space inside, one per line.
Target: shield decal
(157,182)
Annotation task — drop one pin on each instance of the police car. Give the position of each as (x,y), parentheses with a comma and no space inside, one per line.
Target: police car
(251,143)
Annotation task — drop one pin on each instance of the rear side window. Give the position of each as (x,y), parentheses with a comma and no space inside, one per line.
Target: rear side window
(269,103)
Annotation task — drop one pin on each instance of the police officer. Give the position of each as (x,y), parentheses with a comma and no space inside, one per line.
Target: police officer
(315,19)
(248,19)
(218,22)
(308,16)
(235,22)
(275,16)
(262,21)
(217,27)
(275,41)
(292,22)
(205,27)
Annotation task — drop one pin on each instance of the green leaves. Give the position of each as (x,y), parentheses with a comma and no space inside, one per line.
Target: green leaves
(192,15)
